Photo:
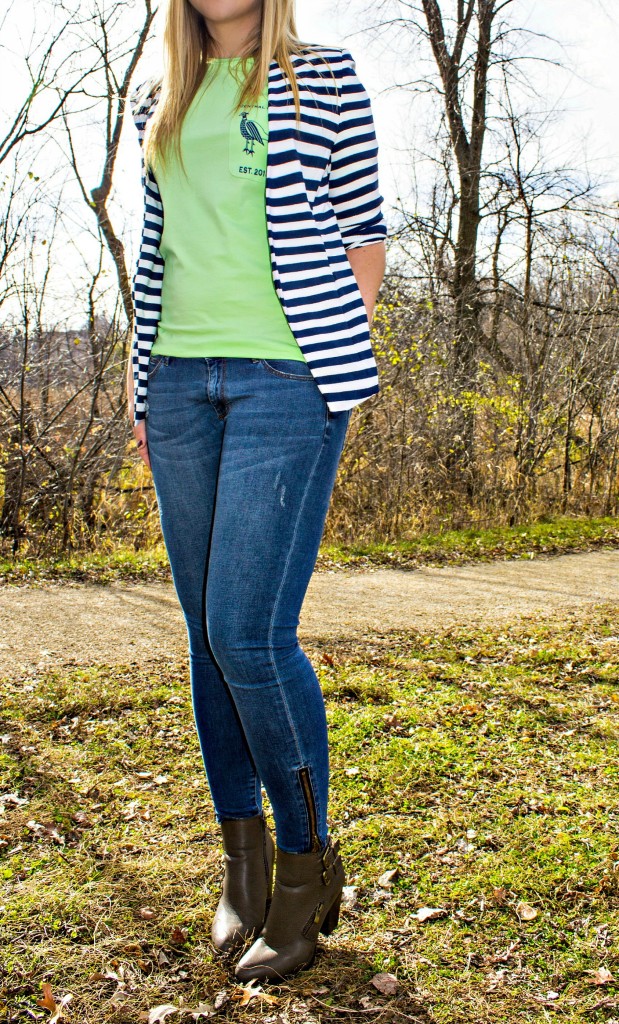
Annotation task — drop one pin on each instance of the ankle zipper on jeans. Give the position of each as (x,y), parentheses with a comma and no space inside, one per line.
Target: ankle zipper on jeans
(310,804)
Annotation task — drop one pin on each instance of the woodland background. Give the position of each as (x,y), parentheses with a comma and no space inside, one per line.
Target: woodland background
(495,330)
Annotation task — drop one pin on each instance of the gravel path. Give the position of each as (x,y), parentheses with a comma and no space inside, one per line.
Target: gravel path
(124,622)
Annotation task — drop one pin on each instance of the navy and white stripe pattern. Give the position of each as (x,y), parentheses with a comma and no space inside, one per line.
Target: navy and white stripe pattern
(322,198)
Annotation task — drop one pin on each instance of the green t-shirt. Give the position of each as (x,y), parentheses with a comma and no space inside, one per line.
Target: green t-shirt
(218,296)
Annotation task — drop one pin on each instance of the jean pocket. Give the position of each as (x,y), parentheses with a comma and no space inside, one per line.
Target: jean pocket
(153,365)
(287,368)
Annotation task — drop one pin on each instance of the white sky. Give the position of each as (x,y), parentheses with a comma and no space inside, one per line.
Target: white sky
(587,34)
(585,135)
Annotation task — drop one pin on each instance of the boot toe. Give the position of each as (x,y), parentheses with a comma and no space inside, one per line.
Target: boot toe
(263,963)
(256,962)
(229,932)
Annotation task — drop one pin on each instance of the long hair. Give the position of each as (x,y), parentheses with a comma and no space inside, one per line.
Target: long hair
(185,42)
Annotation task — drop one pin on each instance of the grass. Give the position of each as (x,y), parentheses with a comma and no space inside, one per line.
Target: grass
(456,547)
(554,536)
(479,765)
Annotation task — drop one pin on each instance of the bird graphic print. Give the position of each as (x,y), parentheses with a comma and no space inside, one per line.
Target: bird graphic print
(251,133)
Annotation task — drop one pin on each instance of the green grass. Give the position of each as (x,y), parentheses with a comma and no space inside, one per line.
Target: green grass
(455,547)
(121,563)
(482,764)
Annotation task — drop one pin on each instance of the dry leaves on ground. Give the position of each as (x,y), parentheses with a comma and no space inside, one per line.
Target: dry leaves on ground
(387,879)
(525,912)
(48,1002)
(386,983)
(245,993)
(429,913)
(602,976)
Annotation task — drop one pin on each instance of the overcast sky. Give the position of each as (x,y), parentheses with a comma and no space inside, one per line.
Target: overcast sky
(587,89)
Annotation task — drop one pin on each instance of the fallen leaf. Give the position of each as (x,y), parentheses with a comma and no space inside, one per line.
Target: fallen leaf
(500,895)
(470,709)
(147,913)
(47,1002)
(159,1013)
(13,798)
(387,879)
(221,998)
(245,993)
(366,1003)
(602,976)
(386,983)
(428,913)
(178,936)
(349,895)
(495,979)
(81,819)
(202,1010)
(526,912)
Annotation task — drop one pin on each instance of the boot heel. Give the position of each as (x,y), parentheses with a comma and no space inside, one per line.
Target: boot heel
(330,922)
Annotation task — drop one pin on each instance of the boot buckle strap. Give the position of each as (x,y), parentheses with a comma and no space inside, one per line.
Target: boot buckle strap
(330,855)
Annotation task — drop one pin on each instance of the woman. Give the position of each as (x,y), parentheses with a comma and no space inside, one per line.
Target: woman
(262,205)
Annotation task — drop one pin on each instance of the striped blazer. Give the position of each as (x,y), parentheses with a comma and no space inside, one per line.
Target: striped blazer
(322,198)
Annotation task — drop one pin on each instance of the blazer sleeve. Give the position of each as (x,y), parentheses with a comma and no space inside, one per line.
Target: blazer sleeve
(139,102)
(353,180)
(148,273)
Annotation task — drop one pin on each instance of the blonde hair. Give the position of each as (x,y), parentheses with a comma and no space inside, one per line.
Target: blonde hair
(185,40)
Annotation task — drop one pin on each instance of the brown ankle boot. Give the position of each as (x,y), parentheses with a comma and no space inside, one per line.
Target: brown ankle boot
(306,901)
(249,852)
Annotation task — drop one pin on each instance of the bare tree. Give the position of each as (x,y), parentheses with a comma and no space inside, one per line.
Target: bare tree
(466,39)
(118,60)
(62,392)
(48,60)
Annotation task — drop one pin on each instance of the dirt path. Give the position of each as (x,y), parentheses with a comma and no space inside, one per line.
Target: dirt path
(89,623)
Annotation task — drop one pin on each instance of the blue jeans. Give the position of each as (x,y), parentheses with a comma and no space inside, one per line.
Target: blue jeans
(244,454)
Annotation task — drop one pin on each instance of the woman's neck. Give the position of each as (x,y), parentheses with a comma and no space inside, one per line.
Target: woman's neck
(233,39)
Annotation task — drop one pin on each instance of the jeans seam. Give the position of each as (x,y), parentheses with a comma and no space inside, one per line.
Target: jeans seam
(226,404)
(276,604)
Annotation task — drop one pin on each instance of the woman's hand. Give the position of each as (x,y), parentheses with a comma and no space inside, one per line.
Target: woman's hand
(139,428)
(368,266)
(139,432)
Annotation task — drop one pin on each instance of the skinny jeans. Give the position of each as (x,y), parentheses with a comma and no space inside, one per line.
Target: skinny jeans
(244,455)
